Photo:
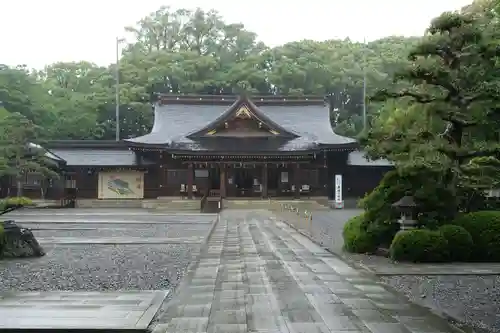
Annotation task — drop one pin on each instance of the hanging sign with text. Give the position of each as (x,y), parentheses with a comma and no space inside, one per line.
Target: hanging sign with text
(339,203)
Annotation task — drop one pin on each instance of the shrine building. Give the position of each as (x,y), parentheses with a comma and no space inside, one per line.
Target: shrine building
(224,146)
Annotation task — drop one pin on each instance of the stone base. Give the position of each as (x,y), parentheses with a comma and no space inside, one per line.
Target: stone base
(18,242)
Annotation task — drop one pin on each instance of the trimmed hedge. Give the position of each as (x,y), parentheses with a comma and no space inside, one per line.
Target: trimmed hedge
(1,240)
(460,242)
(356,238)
(15,201)
(484,227)
(419,245)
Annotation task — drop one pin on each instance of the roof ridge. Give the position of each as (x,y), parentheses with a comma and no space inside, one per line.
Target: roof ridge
(229,99)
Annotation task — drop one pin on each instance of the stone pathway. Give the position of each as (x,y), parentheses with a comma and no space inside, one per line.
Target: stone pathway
(79,310)
(259,275)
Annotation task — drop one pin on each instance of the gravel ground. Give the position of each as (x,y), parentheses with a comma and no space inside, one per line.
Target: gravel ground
(326,226)
(475,299)
(135,230)
(98,268)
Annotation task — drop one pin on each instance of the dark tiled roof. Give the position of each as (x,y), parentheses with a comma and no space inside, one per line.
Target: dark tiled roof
(96,157)
(174,122)
(47,153)
(257,112)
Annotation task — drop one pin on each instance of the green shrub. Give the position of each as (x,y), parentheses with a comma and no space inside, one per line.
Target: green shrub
(484,227)
(14,201)
(460,242)
(433,199)
(356,237)
(1,240)
(419,245)
(383,233)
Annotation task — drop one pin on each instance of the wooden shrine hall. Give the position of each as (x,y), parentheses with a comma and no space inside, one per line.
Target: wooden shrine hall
(227,146)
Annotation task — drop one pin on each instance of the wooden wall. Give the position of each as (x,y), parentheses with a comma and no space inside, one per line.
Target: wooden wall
(166,177)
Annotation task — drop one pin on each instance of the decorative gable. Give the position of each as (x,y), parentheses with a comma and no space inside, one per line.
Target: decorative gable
(242,123)
(243,119)
(244,113)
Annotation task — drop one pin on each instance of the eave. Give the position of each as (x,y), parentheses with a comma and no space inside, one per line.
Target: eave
(101,144)
(227,100)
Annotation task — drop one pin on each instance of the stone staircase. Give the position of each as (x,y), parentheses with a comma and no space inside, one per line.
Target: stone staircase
(177,204)
(303,204)
(245,204)
(174,205)
(108,203)
(164,204)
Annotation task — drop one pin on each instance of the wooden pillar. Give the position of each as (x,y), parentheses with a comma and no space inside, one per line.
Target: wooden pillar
(296,180)
(222,169)
(190,181)
(264,180)
(78,181)
(162,180)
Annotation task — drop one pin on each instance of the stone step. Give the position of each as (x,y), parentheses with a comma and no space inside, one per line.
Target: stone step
(108,203)
(178,205)
(309,205)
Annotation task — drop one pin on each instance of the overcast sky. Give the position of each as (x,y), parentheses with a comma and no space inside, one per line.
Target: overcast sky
(39,32)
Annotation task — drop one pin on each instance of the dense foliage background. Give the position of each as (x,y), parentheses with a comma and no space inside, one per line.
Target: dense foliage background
(195,52)
(434,111)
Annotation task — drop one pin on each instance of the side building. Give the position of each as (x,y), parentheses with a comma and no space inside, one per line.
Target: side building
(226,146)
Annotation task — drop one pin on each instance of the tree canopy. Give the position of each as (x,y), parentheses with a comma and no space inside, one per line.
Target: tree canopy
(196,52)
(440,120)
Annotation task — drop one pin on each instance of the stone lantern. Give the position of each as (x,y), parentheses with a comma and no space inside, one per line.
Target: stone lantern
(407,207)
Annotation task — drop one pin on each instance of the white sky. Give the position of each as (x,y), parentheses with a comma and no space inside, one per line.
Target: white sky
(39,32)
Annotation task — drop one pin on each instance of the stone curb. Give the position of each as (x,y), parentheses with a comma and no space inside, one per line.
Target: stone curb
(428,274)
(185,279)
(454,322)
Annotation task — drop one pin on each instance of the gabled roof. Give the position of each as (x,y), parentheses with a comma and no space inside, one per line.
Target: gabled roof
(46,153)
(79,153)
(96,157)
(178,118)
(242,104)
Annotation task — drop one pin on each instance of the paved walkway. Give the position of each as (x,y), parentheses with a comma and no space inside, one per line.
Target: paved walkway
(79,310)
(259,275)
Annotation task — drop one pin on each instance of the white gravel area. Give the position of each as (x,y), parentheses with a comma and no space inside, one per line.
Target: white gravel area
(99,268)
(475,299)
(120,230)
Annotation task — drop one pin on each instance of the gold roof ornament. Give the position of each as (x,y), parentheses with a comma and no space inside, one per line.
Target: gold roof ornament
(243,113)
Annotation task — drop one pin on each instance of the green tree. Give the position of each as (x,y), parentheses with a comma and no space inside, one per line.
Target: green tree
(18,153)
(197,52)
(454,87)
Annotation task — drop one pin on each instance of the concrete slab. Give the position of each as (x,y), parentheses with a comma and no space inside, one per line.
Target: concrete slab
(79,310)
(385,267)
(119,240)
(257,275)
